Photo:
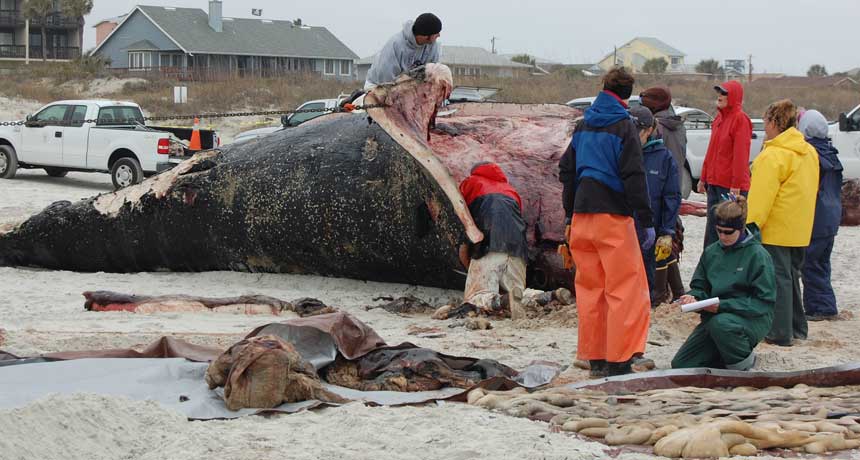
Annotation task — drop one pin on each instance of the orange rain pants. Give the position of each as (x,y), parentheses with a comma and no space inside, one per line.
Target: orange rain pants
(612,298)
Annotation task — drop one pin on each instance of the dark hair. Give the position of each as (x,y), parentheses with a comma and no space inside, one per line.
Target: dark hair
(619,81)
(782,113)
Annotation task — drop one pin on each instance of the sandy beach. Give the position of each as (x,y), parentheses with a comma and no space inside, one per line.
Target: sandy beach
(42,311)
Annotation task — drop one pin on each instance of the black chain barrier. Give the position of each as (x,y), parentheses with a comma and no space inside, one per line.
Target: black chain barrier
(39,123)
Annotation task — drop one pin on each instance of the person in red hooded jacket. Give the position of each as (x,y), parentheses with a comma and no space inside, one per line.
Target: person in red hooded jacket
(726,167)
(499,260)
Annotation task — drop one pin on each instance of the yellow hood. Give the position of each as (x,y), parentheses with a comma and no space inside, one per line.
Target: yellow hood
(792,139)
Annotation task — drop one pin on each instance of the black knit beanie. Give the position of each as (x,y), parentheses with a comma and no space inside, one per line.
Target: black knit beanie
(427,24)
(622,91)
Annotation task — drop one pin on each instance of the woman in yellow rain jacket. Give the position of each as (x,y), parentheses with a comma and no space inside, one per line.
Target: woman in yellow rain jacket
(782,204)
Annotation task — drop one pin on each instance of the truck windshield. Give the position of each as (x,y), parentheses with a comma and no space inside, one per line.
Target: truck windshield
(120,116)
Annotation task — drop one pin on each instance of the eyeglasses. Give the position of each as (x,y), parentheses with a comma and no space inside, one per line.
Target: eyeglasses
(726,232)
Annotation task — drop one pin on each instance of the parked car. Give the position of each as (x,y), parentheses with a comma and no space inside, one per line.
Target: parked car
(583,103)
(291,120)
(472,94)
(94,136)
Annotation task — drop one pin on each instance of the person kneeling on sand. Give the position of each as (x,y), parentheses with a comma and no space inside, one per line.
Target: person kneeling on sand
(499,260)
(739,271)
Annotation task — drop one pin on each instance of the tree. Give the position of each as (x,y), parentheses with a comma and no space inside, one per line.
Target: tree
(709,66)
(39,9)
(523,59)
(655,66)
(816,70)
(77,9)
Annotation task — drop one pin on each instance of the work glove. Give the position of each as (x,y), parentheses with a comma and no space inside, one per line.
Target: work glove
(650,236)
(663,248)
(564,249)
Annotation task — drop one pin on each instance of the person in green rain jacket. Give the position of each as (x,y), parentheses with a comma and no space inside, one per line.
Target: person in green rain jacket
(739,271)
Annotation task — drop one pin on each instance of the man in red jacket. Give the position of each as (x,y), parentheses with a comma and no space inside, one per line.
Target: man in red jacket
(499,260)
(726,168)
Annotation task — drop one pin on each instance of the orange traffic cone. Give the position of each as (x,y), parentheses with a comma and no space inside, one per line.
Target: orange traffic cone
(195,136)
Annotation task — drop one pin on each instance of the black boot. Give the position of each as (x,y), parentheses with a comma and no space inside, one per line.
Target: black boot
(598,368)
(620,368)
(661,287)
(675,282)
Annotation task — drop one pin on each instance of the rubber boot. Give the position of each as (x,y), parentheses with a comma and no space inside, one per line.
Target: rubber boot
(675,282)
(620,368)
(661,287)
(598,368)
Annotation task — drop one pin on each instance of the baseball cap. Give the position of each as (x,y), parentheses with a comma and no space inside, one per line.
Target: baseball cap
(642,117)
(720,89)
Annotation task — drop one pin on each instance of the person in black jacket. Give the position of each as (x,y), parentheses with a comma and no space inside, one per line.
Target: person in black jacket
(603,184)
(499,260)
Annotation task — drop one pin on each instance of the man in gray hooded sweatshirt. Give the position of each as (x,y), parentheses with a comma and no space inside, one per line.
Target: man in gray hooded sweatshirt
(414,46)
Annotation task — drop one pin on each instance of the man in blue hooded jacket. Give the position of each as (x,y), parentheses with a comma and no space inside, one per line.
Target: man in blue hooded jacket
(664,192)
(603,185)
(819,301)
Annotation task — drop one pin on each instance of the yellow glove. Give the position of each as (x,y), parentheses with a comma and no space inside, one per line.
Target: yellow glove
(663,248)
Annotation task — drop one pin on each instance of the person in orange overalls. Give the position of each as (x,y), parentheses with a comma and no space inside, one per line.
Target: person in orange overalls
(603,185)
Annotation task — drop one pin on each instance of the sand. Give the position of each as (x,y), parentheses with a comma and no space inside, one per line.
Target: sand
(42,311)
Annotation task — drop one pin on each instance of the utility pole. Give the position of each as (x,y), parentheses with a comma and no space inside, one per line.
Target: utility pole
(614,56)
(749,69)
(493,43)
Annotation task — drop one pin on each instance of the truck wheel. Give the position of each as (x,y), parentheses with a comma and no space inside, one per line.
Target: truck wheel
(56,172)
(8,162)
(126,171)
(686,183)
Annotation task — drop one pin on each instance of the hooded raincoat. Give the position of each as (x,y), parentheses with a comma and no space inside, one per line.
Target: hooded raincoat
(671,129)
(497,209)
(818,296)
(782,204)
(400,54)
(783,191)
(727,160)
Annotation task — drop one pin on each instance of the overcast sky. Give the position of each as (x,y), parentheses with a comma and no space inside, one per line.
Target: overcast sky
(785,36)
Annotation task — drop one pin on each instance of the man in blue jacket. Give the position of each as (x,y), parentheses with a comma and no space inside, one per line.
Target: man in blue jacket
(603,186)
(664,193)
(819,301)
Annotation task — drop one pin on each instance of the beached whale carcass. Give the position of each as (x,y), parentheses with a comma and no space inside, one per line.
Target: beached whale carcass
(338,196)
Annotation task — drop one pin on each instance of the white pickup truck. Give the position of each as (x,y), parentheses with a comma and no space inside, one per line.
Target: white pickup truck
(96,136)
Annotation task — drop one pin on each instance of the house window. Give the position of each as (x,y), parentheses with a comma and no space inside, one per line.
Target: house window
(344,68)
(139,60)
(329,67)
(7,38)
(676,60)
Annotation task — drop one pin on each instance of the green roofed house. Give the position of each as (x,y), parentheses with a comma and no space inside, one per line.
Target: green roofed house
(191,43)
